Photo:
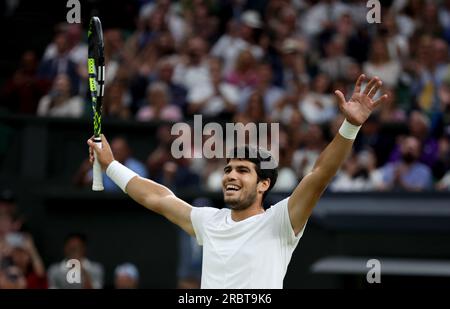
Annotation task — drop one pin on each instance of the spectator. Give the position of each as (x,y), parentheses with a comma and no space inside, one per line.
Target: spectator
(419,127)
(358,174)
(115,55)
(245,72)
(193,69)
(77,50)
(304,158)
(159,106)
(380,64)
(318,106)
(10,224)
(336,62)
(12,278)
(177,93)
(397,44)
(322,16)
(240,36)
(126,276)
(407,173)
(26,257)
(91,272)
(21,93)
(294,67)
(271,94)
(427,74)
(254,110)
(391,112)
(442,163)
(116,101)
(215,99)
(60,63)
(60,102)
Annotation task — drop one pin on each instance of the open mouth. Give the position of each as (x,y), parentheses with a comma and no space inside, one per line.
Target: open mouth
(232,188)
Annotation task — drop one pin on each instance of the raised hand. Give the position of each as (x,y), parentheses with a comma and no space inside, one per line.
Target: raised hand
(358,109)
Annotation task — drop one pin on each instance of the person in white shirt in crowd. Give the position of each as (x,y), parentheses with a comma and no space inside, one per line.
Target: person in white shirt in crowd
(335,63)
(60,102)
(381,64)
(322,16)
(192,69)
(359,173)
(318,107)
(215,98)
(303,158)
(240,36)
(91,272)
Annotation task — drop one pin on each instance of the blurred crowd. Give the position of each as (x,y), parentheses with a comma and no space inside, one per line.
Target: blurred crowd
(261,62)
(21,265)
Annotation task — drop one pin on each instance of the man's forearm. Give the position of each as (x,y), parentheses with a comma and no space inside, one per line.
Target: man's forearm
(144,191)
(331,159)
(147,192)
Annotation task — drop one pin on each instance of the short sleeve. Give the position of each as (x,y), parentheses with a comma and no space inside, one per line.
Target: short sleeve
(281,214)
(199,217)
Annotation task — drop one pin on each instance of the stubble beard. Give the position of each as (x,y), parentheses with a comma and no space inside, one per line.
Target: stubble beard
(241,204)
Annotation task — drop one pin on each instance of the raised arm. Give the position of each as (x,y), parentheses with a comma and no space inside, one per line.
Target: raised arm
(357,110)
(146,192)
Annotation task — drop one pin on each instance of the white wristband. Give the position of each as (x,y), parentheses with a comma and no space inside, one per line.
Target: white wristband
(348,130)
(120,174)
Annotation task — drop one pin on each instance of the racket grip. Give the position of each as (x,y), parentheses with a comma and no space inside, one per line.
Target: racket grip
(97,179)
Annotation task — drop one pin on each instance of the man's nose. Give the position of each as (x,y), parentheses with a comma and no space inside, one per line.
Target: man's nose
(231,175)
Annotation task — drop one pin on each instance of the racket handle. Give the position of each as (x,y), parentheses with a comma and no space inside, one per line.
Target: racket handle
(97,179)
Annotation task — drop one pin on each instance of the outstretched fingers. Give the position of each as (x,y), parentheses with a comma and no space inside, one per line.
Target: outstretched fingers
(341,98)
(359,83)
(372,83)
(383,99)
(374,89)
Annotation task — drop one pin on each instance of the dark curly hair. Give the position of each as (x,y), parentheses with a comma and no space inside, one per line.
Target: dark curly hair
(257,156)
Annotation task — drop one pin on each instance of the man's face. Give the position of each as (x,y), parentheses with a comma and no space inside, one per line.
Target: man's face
(239,184)
(410,149)
(120,149)
(74,249)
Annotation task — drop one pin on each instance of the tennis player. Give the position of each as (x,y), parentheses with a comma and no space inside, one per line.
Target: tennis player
(246,246)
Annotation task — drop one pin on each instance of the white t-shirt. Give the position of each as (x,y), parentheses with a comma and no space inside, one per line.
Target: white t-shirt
(249,254)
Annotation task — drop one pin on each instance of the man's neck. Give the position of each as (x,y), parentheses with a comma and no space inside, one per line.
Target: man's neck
(239,215)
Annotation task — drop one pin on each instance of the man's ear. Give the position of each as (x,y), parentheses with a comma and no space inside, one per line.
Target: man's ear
(263,185)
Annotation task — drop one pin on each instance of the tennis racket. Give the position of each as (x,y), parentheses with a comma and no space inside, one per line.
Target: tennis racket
(96,70)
